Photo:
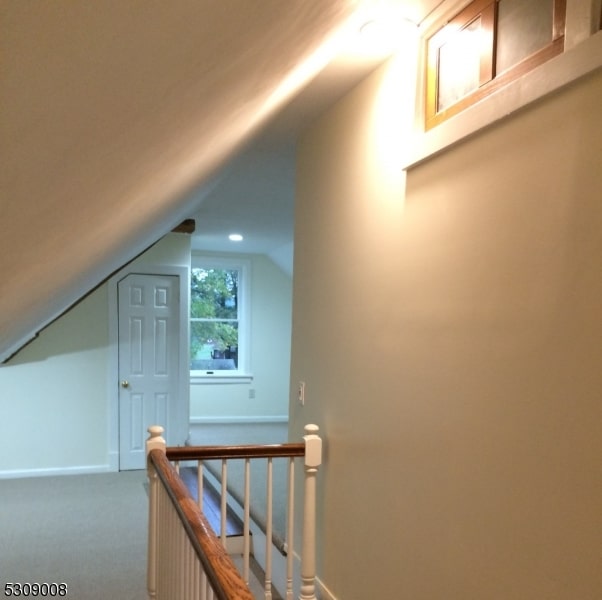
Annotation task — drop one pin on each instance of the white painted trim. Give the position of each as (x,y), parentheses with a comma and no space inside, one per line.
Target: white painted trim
(562,70)
(325,593)
(219,379)
(113,461)
(235,420)
(22,342)
(52,472)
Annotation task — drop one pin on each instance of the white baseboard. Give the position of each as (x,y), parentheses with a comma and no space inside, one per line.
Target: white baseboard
(82,470)
(236,420)
(113,461)
(325,593)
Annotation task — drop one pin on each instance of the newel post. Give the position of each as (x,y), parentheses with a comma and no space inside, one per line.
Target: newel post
(313,459)
(154,441)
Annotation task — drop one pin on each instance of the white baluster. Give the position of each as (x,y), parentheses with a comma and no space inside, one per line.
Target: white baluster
(224,502)
(268,531)
(197,579)
(199,482)
(247,519)
(204,585)
(290,529)
(188,561)
(180,541)
(155,441)
(313,459)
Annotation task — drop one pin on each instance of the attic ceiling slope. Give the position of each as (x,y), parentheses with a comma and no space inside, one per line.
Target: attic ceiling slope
(112,112)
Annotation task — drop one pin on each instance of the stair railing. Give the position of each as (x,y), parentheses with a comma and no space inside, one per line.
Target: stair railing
(186,559)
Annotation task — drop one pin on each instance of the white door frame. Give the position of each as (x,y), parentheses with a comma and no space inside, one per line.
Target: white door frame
(182,411)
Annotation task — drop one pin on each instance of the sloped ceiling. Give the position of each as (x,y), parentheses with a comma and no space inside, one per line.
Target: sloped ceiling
(113,112)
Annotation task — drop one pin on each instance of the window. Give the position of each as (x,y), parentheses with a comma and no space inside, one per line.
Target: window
(218,317)
(488,44)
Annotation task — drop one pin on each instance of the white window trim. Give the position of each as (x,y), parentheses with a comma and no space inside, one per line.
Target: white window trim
(219,379)
(582,55)
(243,373)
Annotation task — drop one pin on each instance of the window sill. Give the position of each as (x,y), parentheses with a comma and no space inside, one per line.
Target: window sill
(220,379)
(553,75)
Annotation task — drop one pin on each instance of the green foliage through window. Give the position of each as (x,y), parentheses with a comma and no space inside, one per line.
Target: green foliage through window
(214,305)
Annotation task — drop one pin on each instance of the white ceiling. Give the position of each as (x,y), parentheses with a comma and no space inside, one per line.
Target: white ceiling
(117,118)
(253,196)
(254,193)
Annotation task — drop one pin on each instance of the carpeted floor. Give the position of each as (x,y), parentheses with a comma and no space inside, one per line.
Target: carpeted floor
(88,531)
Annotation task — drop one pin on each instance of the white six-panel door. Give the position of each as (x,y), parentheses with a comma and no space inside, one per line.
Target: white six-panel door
(148,312)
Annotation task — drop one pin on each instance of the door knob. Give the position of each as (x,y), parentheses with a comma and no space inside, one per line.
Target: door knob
(125,383)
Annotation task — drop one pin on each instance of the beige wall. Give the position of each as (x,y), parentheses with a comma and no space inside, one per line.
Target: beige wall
(53,396)
(450,341)
(56,395)
(61,386)
(266,395)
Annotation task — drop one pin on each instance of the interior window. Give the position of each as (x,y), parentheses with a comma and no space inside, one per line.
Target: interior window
(459,65)
(486,45)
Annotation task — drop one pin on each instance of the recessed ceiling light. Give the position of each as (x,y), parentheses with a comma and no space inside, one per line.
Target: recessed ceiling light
(235,237)
(369,28)
(383,30)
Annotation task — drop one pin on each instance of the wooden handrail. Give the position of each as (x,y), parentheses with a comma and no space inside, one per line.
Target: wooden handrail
(177,453)
(167,491)
(223,576)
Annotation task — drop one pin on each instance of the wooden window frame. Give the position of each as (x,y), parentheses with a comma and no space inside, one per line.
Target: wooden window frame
(490,81)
